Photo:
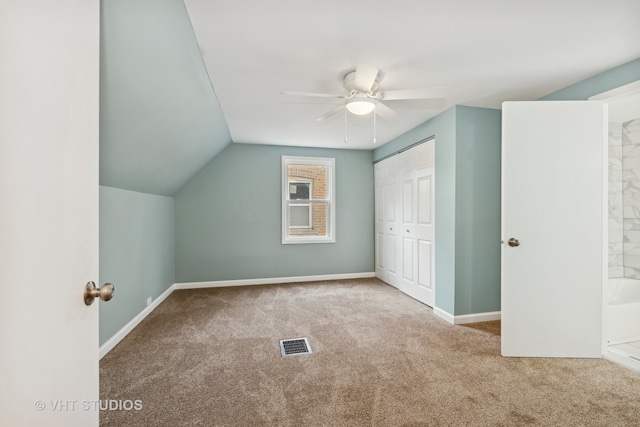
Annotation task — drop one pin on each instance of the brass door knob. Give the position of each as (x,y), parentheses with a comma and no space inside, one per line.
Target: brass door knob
(513,242)
(105,292)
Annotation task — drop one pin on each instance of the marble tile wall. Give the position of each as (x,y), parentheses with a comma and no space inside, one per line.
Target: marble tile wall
(630,198)
(616,236)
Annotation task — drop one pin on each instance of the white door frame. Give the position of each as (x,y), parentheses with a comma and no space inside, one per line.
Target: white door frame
(608,97)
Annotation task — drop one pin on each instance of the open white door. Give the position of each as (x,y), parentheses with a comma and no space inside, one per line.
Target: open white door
(49,86)
(553,203)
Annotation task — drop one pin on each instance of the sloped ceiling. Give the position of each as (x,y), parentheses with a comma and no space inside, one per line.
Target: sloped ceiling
(160,121)
(484,52)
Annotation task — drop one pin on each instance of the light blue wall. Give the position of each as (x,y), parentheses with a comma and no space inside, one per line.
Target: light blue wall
(228,218)
(136,253)
(468,154)
(616,77)
(160,120)
(443,127)
(467,218)
(478,155)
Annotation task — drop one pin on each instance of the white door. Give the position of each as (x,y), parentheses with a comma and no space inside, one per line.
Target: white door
(554,167)
(417,214)
(405,221)
(380,225)
(49,89)
(386,221)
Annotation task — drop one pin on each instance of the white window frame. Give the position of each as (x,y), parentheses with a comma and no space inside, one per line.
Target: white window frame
(327,162)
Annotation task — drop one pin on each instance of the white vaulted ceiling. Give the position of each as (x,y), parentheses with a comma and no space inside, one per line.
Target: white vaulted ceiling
(182,80)
(484,52)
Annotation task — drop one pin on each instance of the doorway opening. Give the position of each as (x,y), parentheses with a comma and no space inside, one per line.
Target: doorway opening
(621,291)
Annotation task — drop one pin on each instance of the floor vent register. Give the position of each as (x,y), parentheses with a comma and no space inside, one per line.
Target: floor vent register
(294,347)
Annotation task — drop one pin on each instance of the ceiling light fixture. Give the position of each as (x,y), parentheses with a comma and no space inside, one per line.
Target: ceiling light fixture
(359,106)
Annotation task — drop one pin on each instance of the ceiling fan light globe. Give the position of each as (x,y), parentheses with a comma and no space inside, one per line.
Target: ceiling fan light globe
(360,108)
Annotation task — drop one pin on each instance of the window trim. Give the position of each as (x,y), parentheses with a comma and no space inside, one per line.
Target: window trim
(327,162)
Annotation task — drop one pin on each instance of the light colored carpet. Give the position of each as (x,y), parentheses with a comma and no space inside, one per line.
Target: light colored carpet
(211,357)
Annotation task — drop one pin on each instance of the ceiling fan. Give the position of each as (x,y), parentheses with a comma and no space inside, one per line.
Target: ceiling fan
(362,95)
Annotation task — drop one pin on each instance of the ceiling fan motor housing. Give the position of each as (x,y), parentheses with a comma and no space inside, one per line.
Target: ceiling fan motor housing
(350,82)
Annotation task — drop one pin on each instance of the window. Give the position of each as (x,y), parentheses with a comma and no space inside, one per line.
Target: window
(308,206)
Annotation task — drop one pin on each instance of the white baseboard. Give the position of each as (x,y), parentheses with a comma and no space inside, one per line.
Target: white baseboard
(118,336)
(477,317)
(622,360)
(443,315)
(467,318)
(273,280)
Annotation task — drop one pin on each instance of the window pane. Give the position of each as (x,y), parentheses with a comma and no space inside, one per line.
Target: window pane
(319,218)
(299,190)
(299,216)
(305,179)
(308,220)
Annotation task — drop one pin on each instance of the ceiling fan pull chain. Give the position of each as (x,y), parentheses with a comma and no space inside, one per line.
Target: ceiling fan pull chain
(345,125)
(374,126)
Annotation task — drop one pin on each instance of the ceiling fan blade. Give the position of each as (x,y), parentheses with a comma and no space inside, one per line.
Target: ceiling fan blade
(331,113)
(365,77)
(312,94)
(385,112)
(423,93)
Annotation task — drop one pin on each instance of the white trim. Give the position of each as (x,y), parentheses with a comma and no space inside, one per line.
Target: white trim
(619,92)
(444,315)
(621,360)
(467,318)
(119,336)
(273,280)
(477,317)
(330,164)
(609,97)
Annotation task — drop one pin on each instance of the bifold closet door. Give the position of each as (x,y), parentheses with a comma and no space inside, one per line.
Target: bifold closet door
(405,221)
(386,222)
(417,227)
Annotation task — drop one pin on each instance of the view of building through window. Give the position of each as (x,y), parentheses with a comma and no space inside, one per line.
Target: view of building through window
(307,183)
